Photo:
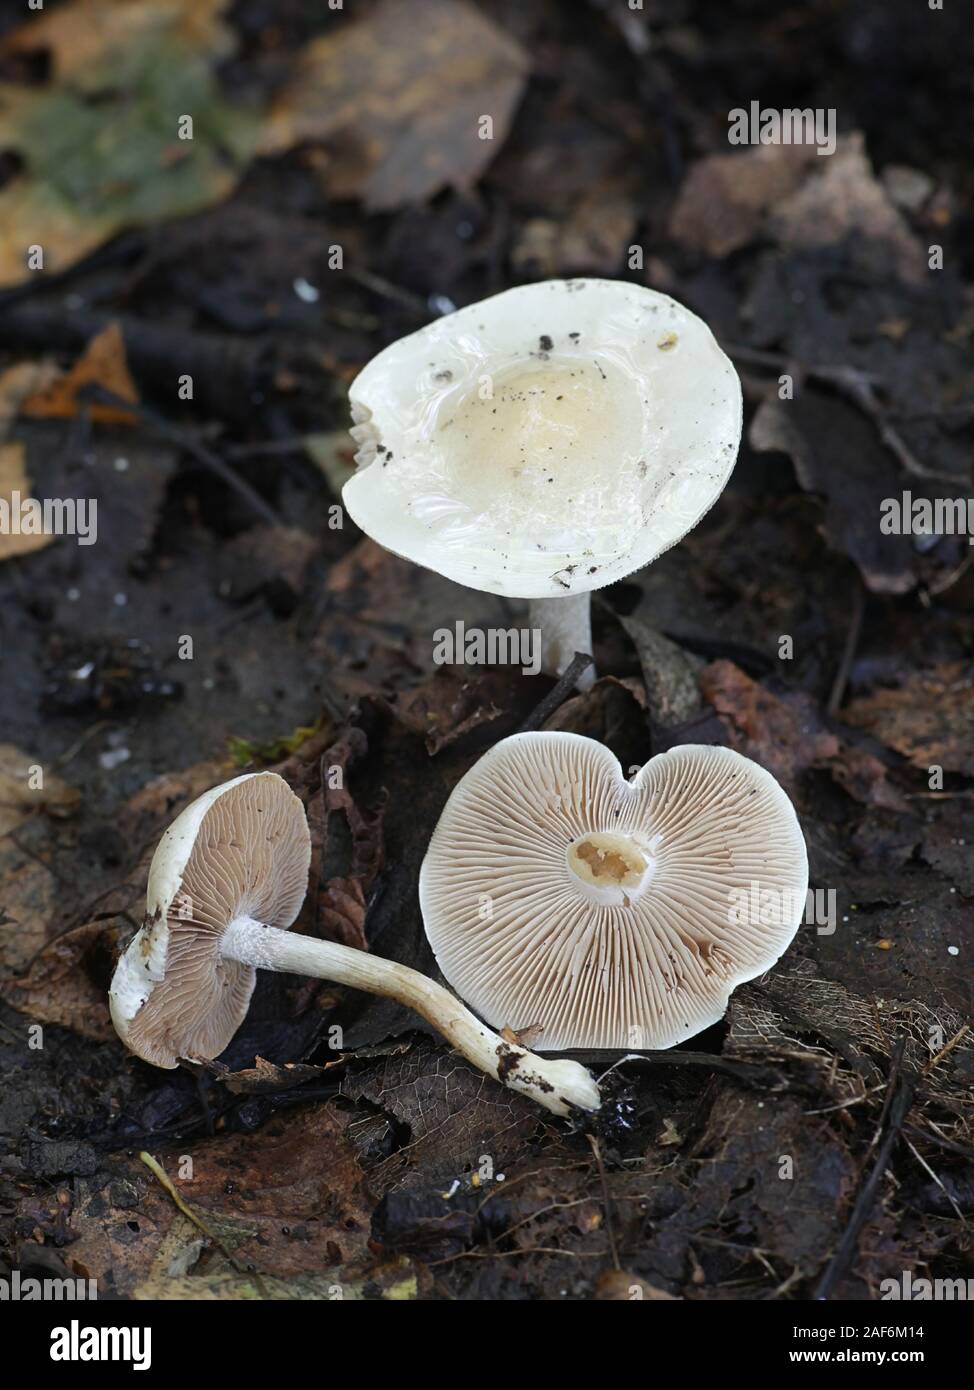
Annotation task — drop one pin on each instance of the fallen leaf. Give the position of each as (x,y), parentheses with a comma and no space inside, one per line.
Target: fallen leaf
(20,799)
(671,682)
(927,718)
(844,203)
(82,37)
(725,199)
(60,988)
(591,241)
(785,735)
(452,703)
(399,96)
(103,363)
(340,897)
(264,1076)
(17,383)
(837,455)
(451,1112)
(100,142)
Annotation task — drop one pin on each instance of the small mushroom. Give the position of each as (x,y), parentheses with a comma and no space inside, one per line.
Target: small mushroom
(621,914)
(226,881)
(544,443)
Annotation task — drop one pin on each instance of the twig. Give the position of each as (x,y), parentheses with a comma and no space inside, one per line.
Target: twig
(163,1178)
(387,290)
(941,586)
(859,388)
(849,650)
(191,446)
(961,1033)
(748,1073)
(933,1136)
(606,1204)
(899,1099)
(559,692)
(226,371)
(927,1169)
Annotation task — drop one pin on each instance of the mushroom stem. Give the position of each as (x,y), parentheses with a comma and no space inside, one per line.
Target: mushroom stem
(559,1086)
(566,628)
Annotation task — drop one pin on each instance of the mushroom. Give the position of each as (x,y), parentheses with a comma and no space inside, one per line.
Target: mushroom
(544,443)
(226,881)
(619,914)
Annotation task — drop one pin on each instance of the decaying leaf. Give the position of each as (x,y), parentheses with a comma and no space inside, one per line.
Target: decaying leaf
(62,985)
(103,363)
(100,142)
(928,717)
(785,734)
(17,383)
(837,455)
(399,97)
(725,199)
(844,203)
(26,786)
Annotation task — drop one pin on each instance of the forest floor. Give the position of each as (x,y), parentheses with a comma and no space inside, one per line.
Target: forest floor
(388,1167)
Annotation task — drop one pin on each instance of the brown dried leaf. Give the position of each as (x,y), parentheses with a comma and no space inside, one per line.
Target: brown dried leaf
(725,199)
(844,202)
(927,718)
(103,363)
(401,94)
(60,987)
(452,703)
(785,735)
(18,799)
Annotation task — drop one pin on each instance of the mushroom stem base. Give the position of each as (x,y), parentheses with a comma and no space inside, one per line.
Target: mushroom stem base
(566,628)
(560,1086)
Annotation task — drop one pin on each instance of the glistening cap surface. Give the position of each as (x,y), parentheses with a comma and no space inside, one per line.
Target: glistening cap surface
(559,897)
(546,441)
(240,850)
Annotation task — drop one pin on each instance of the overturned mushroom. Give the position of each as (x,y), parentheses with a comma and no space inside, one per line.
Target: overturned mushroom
(544,443)
(226,881)
(599,912)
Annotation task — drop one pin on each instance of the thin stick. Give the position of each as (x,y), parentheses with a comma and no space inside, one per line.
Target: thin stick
(557,694)
(162,1177)
(607,1206)
(899,1099)
(962,1033)
(191,446)
(849,649)
(926,1167)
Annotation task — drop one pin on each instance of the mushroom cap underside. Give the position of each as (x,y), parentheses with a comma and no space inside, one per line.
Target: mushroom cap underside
(591,911)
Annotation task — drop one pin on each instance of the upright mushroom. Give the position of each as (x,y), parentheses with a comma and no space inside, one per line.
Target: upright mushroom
(544,443)
(226,881)
(598,912)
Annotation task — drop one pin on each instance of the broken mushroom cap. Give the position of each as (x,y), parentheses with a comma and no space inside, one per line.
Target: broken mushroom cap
(241,850)
(547,441)
(589,911)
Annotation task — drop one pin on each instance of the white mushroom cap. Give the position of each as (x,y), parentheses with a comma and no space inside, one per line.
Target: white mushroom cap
(241,850)
(549,440)
(559,897)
